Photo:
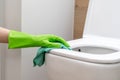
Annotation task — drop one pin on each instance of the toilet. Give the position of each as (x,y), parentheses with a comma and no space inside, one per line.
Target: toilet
(96,56)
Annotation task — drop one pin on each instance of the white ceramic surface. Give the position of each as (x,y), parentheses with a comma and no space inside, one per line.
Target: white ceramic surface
(64,64)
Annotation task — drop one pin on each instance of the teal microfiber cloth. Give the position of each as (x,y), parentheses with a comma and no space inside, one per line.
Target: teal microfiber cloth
(40,57)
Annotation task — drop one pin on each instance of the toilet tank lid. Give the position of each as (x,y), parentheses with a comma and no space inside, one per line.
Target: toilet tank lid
(103,20)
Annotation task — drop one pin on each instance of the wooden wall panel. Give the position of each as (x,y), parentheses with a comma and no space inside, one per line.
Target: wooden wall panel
(81,7)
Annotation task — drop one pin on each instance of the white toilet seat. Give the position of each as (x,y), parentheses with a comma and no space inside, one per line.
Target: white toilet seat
(93,58)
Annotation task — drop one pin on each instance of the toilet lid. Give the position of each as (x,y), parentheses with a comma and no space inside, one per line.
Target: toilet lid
(103,18)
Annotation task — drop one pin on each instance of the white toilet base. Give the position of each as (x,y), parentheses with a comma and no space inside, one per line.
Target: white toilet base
(61,68)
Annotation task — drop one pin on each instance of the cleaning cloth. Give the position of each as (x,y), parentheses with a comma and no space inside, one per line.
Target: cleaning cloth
(40,57)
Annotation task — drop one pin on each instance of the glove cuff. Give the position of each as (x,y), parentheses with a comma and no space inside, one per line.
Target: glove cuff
(19,40)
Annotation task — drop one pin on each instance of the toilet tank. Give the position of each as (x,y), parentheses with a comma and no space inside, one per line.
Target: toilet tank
(103,18)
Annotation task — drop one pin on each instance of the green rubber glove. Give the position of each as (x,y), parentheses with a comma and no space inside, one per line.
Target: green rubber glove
(23,40)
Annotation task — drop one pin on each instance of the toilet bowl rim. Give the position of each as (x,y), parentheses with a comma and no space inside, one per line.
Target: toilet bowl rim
(81,56)
(94,58)
(92,41)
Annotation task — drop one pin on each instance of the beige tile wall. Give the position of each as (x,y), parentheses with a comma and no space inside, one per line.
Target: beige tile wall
(80,16)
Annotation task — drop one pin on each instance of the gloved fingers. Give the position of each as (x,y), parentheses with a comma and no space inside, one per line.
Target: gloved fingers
(52,41)
(61,40)
(49,44)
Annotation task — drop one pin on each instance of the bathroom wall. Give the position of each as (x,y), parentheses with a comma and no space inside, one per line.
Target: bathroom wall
(43,17)
(1,12)
(104,18)
(2,47)
(12,20)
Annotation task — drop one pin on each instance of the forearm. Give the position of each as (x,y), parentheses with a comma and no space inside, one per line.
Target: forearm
(4,35)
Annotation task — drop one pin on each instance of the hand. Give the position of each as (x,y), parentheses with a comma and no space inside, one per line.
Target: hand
(22,40)
(49,40)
